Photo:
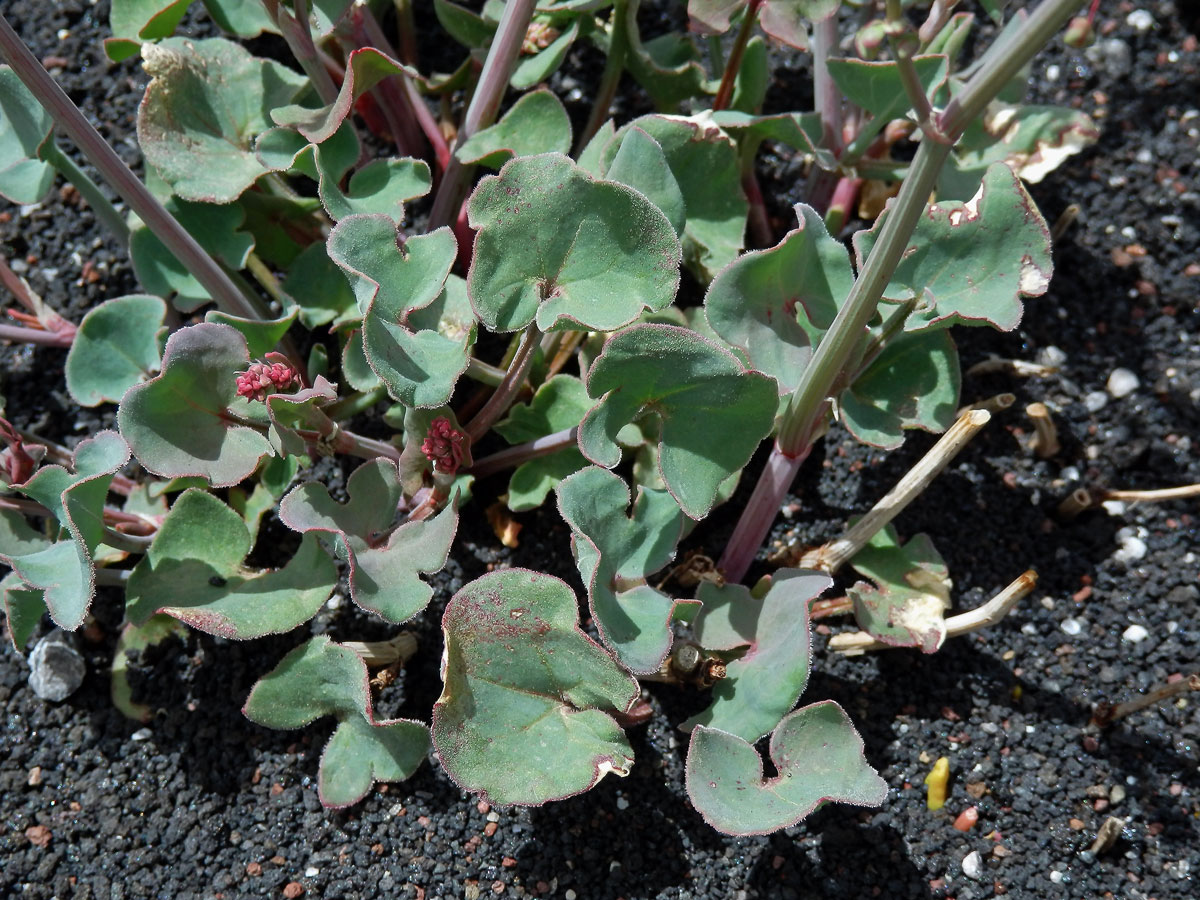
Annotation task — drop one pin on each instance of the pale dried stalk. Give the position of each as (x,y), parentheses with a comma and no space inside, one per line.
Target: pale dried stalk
(1107,713)
(854,643)
(1045,433)
(1020,367)
(832,556)
(384,653)
(1082,499)
(994,405)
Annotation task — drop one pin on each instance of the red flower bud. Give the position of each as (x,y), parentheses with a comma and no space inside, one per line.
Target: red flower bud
(265,378)
(443,446)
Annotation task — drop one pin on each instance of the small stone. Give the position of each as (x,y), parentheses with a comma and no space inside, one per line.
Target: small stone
(1132,546)
(39,836)
(1056,876)
(311,872)
(1140,20)
(1114,55)
(254,869)
(35,776)
(1122,383)
(293,889)
(972,865)
(1094,401)
(966,819)
(1071,626)
(569,895)
(56,668)
(1116,794)
(1076,824)
(490,828)
(142,734)
(622,803)
(1135,634)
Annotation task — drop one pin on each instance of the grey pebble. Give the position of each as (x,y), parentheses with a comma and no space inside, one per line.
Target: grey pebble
(56,669)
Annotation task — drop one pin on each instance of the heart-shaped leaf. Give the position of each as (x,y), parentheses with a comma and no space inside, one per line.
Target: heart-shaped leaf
(384,568)
(421,367)
(134,21)
(23,610)
(381,186)
(206,103)
(760,687)
(194,572)
(713,411)
(536,123)
(613,547)
(704,161)
(913,383)
(545,62)
(557,247)
(245,18)
(467,27)
(24,178)
(667,67)
(1004,235)
(116,347)
(641,164)
(262,335)
(818,756)
(178,422)
(559,404)
(320,678)
(64,571)
(520,718)
(906,606)
(772,303)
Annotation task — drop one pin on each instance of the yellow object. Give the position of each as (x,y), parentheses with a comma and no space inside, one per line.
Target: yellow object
(935,783)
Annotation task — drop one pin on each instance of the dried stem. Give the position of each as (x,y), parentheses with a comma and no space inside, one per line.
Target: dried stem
(832,556)
(1107,713)
(1045,433)
(399,649)
(854,643)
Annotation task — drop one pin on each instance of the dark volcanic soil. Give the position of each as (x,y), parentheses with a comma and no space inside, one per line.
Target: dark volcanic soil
(203,804)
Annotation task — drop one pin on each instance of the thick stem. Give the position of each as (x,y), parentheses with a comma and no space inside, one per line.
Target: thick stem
(521,453)
(485,103)
(389,93)
(18,334)
(611,79)
(826,95)
(845,194)
(406,32)
(760,512)
(266,279)
(502,398)
(100,205)
(202,266)
(902,51)
(725,91)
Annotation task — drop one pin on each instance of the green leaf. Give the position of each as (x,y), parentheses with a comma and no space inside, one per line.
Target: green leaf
(818,756)
(419,367)
(712,16)
(760,687)
(906,606)
(381,186)
(319,287)
(361,753)
(714,412)
(520,718)
(16,537)
(612,547)
(23,609)
(365,68)
(541,65)
(666,67)
(299,410)
(116,347)
(704,161)
(155,630)
(321,678)
(560,403)
(177,423)
(536,123)
(64,571)
(274,478)
(244,18)
(771,304)
(383,568)
(194,572)
(134,21)
(24,127)
(466,27)
(556,247)
(877,87)
(641,164)
(784,19)
(914,383)
(262,335)
(753,78)
(206,103)
(1003,235)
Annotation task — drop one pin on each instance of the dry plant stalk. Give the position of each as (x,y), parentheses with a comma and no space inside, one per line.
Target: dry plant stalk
(1045,433)
(854,643)
(1107,713)
(399,649)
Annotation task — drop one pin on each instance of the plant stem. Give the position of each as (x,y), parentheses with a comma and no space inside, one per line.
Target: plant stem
(520,453)
(18,334)
(502,398)
(760,512)
(406,31)
(725,91)
(845,193)
(1107,713)
(610,80)
(902,52)
(832,556)
(854,643)
(52,97)
(827,97)
(359,402)
(485,103)
(100,205)
(297,32)
(392,101)
(266,279)
(484,373)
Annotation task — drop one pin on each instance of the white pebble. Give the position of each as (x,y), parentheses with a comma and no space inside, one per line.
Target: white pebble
(1056,876)
(1144,155)
(1114,507)
(622,803)
(312,872)
(1052,72)
(1132,546)
(142,734)
(1135,634)
(1071,626)
(1051,356)
(1122,383)
(1140,20)
(570,894)
(1094,401)
(972,865)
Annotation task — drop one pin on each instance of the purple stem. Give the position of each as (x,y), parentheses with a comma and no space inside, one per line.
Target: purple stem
(521,453)
(828,97)
(35,336)
(503,396)
(759,514)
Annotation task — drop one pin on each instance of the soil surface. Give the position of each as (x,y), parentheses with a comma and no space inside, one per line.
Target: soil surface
(201,803)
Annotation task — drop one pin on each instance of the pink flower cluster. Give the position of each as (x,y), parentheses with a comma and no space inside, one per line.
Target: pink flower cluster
(443,446)
(265,378)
